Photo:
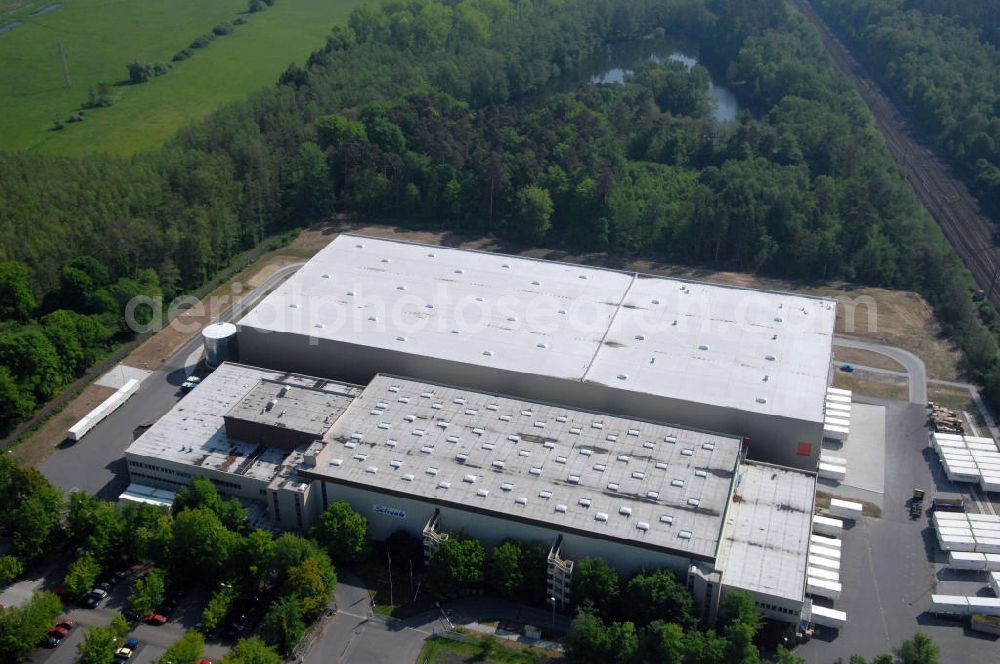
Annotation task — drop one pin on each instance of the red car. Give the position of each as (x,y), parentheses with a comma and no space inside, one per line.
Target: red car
(59,632)
(156,619)
(204,661)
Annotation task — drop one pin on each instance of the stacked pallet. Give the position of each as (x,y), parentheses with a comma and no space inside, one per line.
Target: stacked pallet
(969,459)
(976,533)
(837,418)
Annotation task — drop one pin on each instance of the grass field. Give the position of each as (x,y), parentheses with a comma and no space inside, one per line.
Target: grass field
(99,37)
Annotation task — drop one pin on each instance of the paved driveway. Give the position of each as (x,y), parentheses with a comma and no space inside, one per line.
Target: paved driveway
(95,464)
(890,564)
(355,636)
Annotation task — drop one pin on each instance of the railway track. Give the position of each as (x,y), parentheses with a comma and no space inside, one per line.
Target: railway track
(949,202)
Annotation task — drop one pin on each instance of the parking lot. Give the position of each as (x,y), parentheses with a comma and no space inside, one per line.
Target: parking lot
(153,640)
(892,564)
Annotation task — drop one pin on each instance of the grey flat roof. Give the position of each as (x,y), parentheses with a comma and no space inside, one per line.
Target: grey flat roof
(657,486)
(766,538)
(749,350)
(296,407)
(193,432)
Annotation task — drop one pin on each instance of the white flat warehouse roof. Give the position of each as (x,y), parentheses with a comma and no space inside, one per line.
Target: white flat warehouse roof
(765,542)
(755,351)
(650,485)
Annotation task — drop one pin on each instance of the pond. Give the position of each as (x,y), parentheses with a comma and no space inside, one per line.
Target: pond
(613,66)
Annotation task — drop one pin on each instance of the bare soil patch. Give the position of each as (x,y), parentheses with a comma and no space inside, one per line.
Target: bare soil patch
(883,387)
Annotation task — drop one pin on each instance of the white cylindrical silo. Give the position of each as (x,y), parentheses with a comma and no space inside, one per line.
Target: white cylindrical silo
(220,343)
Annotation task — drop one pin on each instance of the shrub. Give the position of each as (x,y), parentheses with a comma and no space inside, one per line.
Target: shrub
(160,68)
(256,6)
(223,29)
(182,54)
(202,41)
(242,20)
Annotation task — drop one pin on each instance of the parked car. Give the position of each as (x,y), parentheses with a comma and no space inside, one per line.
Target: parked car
(122,655)
(847,368)
(156,619)
(132,644)
(58,633)
(131,615)
(94,597)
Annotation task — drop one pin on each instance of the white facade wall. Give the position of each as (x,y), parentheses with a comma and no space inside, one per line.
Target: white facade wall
(409,514)
(172,475)
(773,439)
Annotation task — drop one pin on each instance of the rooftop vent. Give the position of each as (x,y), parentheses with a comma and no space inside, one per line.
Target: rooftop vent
(444,485)
(336,462)
(482,493)
(539,425)
(701,473)
(625,511)
(612,486)
(536,283)
(390,443)
(694,502)
(761,400)
(676,482)
(670,439)
(708,446)
(400,338)
(507,486)
(400,287)
(623,457)
(573,479)
(655,301)
(371,469)
(456,331)
(408,477)
(320,326)
(426,449)
(638,476)
(640,337)
(601,516)
(293,306)
(598,425)
(360,457)
(633,432)
(703,347)
(642,525)
(488,353)
(612,438)
(521,500)
(622,376)
(506,266)
(585,502)
(535,470)
(649,444)
(687,452)
(386,260)
(666,518)
(586,451)
(498,464)
(600,467)
(541,345)
(459,271)
(452,439)
(359,246)
(544,494)
(660,465)
(395,463)
(770,358)
(462,457)
(432,255)
(652,494)
(326,276)
(684,534)
(561,508)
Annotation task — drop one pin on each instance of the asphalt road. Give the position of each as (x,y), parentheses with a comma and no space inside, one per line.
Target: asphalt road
(95,464)
(888,572)
(913,364)
(355,636)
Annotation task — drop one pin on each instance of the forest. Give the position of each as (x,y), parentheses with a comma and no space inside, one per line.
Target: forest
(435,113)
(940,62)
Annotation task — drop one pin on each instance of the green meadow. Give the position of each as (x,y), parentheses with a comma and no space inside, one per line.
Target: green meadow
(48,63)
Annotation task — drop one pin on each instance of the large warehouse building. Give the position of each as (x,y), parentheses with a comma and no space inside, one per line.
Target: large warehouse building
(436,460)
(748,363)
